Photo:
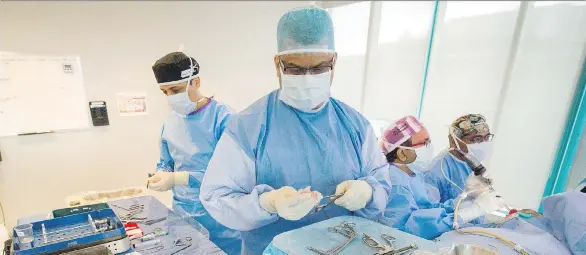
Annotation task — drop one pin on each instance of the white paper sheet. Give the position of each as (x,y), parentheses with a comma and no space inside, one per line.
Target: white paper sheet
(41,94)
(132,104)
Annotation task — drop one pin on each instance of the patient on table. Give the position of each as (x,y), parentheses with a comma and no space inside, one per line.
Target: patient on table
(560,230)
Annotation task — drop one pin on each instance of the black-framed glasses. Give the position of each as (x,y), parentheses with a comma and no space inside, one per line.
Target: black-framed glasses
(480,138)
(298,70)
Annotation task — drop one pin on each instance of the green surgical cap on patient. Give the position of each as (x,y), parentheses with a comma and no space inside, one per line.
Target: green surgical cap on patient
(305,30)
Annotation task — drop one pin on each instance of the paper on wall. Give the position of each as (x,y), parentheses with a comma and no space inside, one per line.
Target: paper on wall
(132,104)
(51,99)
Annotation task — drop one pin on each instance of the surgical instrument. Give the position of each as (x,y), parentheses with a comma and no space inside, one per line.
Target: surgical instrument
(371,242)
(150,236)
(390,239)
(154,249)
(152,243)
(149,179)
(186,242)
(384,249)
(332,199)
(346,229)
(151,222)
(402,250)
(132,208)
(132,212)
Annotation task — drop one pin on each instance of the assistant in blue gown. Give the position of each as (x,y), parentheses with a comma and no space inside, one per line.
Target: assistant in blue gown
(449,174)
(408,149)
(188,139)
(187,144)
(411,210)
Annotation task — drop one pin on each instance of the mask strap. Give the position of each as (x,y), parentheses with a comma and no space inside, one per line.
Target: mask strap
(406,148)
(190,73)
(456,139)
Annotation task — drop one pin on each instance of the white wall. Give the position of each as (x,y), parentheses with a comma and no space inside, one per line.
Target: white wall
(468,64)
(118,42)
(548,63)
(350,36)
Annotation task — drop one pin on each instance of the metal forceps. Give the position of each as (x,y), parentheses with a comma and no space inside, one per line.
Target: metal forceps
(384,249)
(132,217)
(381,248)
(322,206)
(390,239)
(346,229)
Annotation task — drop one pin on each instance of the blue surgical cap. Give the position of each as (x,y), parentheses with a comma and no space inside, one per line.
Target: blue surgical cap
(307,29)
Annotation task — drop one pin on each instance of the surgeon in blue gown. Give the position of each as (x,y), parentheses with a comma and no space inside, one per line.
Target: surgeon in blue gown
(468,134)
(407,146)
(282,153)
(188,139)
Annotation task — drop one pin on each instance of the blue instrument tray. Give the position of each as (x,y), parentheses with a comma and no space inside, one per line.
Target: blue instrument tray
(70,232)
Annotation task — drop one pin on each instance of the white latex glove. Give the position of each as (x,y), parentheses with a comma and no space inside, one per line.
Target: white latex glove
(356,194)
(289,203)
(163,181)
(476,185)
(484,204)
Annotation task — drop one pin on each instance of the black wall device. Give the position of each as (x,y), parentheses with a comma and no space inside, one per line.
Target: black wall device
(99,113)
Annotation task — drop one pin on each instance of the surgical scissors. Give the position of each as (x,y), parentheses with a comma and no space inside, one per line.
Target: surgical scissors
(322,206)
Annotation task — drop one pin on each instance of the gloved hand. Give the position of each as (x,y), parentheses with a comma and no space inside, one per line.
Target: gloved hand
(163,181)
(477,184)
(289,203)
(356,194)
(484,204)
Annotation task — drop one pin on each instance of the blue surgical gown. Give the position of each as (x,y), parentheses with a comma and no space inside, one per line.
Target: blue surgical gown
(187,144)
(270,145)
(566,214)
(411,210)
(456,170)
(561,230)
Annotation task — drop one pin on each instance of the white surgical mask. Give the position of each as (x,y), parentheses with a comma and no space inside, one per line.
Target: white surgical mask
(305,92)
(423,160)
(480,150)
(181,104)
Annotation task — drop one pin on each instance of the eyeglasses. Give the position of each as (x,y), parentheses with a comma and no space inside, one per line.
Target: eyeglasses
(479,138)
(298,70)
